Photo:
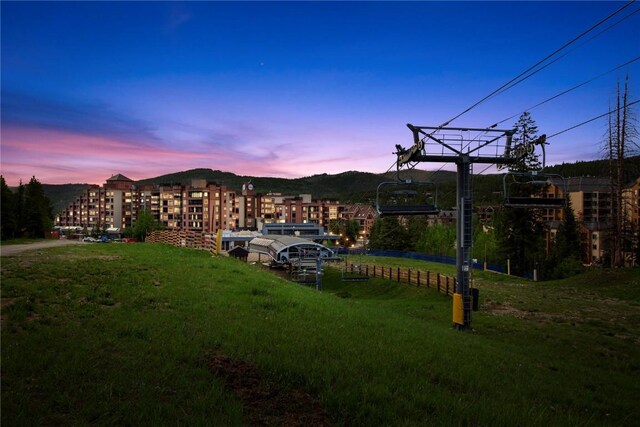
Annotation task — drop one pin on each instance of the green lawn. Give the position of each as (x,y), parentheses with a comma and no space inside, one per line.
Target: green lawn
(123,334)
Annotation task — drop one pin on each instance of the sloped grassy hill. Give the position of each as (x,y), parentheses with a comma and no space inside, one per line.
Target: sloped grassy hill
(122,334)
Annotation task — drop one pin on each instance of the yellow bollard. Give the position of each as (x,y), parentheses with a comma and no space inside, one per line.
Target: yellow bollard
(458,309)
(219,241)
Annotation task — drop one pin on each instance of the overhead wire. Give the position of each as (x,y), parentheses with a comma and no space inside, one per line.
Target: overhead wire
(580,124)
(568,90)
(500,91)
(593,119)
(563,55)
(564,46)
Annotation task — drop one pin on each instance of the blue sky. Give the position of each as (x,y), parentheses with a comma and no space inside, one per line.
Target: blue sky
(291,88)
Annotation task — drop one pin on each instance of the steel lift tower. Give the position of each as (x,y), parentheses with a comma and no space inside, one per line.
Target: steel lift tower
(456,145)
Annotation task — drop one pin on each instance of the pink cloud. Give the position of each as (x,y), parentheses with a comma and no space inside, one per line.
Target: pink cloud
(58,157)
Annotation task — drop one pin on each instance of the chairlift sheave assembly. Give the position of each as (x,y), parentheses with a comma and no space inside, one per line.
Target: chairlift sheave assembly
(406,197)
(527,190)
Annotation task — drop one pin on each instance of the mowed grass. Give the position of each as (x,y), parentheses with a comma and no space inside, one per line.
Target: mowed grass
(122,334)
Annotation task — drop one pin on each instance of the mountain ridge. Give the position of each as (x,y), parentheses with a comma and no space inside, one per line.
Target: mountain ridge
(351,186)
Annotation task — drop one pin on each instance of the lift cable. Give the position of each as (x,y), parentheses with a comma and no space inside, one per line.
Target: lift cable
(564,46)
(562,56)
(595,118)
(578,125)
(567,91)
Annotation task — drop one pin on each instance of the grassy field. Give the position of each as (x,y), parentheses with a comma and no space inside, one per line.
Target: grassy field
(133,334)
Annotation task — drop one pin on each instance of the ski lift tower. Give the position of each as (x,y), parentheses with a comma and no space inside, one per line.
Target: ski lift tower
(457,145)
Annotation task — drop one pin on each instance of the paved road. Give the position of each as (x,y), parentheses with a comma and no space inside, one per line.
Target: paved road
(8,250)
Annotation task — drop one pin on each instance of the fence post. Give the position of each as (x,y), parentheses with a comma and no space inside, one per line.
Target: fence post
(409,276)
(398,275)
(418,278)
(366,269)
(447,284)
(428,278)
(438,280)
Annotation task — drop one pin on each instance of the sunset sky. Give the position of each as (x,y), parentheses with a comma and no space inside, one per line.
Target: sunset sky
(290,89)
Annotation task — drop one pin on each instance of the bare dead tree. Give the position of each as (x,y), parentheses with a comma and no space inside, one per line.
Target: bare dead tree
(621,137)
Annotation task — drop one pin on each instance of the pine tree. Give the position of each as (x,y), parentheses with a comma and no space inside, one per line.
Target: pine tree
(568,241)
(19,210)
(8,214)
(38,213)
(520,231)
(565,255)
(520,234)
(525,131)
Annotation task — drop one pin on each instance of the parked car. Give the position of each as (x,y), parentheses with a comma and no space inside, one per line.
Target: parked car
(90,239)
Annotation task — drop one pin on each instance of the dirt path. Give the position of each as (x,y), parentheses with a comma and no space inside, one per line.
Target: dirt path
(268,403)
(9,250)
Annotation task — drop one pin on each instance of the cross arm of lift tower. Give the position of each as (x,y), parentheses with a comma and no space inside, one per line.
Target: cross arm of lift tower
(473,150)
(440,144)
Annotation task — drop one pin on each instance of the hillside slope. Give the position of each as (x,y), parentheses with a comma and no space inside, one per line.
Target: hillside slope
(354,186)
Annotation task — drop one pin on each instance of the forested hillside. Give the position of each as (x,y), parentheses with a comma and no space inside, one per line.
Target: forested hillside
(356,187)
(62,194)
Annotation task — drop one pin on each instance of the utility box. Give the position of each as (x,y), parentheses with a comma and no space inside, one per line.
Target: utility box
(475,299)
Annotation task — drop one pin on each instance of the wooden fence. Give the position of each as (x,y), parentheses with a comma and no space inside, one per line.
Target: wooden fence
(184,239)
(419,278)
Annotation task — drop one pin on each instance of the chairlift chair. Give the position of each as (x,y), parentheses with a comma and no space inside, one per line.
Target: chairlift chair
(520,189)
(406,197)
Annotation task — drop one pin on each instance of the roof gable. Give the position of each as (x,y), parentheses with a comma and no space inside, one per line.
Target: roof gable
(119,177)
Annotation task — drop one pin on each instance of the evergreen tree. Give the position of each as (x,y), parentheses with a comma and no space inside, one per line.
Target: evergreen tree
(565,254)
(525,131)
(38,213)
(19,211)
(520,234)
(568,236)
(8,214)
(520,231)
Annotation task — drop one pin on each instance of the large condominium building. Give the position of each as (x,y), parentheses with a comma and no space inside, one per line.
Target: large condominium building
(631,204)
(198,206)
(364,215)
(590,199)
